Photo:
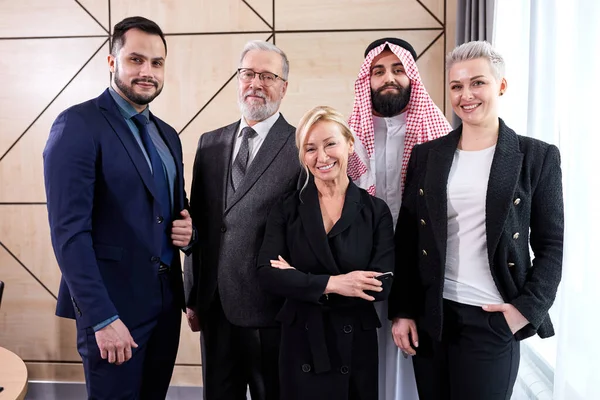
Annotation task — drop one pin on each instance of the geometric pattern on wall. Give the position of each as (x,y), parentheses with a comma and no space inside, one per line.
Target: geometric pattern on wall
(57,58)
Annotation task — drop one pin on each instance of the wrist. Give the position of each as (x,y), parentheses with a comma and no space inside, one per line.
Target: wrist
(331,285)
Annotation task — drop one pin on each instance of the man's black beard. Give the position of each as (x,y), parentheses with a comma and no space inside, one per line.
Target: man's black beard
(390,104)
(133,96)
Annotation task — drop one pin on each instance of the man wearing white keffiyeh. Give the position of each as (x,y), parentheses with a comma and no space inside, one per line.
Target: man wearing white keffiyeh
(392,113)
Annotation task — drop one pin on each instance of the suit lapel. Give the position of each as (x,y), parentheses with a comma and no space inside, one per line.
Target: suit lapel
(504,173)
(110,111)
(312,221)
(270,148)
(435,187)
(228,139)
(352,206)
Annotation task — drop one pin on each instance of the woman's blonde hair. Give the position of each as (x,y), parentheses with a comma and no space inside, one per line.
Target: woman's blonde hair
(309,120)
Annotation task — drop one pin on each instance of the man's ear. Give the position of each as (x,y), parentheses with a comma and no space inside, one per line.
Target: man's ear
(111,63)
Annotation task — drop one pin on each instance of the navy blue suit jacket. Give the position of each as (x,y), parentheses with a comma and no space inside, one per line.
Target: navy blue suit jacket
(104,217)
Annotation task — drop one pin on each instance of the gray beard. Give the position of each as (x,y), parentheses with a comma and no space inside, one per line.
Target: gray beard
(258,112)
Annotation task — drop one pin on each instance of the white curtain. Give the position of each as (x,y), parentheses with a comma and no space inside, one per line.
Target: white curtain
(553,72)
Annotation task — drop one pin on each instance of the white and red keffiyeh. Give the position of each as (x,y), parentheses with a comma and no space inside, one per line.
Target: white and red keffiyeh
(424,121)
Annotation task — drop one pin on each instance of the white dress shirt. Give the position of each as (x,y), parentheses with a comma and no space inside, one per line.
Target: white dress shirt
(262,129)
(390,134)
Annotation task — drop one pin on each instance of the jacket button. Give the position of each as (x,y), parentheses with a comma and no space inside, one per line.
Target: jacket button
(517,201)
(516,236)
(305,368)
(154,259)
(223,229)
(347,328)
(421,192)
(511,264)
(159,219)
(424,252)
(344,369)
(423,223)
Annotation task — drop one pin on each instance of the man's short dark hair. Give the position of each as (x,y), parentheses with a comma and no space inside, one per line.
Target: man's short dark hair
(141,23)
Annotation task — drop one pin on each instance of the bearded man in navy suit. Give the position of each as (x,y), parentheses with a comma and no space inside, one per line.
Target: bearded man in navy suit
(118,215)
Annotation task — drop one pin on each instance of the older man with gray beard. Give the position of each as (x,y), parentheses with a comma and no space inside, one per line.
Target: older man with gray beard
(240,171)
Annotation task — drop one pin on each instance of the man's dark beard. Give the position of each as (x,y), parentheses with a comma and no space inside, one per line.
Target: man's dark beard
(390,104)
(133,96)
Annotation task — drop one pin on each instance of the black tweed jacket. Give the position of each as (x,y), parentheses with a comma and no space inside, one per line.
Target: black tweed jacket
(524,207)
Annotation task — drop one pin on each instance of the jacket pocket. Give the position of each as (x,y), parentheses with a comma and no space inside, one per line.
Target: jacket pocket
(112,253)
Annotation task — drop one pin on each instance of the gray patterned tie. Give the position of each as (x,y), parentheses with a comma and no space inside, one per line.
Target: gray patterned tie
(241,160)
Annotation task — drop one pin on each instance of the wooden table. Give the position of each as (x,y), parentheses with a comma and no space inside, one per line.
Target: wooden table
(13,376)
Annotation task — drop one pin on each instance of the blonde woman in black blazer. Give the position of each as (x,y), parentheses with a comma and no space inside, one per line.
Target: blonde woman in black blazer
(324,249)
(466,290)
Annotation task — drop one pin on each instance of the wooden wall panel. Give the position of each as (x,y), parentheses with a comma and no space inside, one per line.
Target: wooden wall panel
(58,57)
(350,14)
(43,18)
(187,16)
(33,72)
(21,170)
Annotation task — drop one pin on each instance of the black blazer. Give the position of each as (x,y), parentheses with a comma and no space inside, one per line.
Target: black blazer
(524,206)
(362,239)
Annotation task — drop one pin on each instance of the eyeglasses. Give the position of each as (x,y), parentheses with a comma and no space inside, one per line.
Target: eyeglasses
(267,78)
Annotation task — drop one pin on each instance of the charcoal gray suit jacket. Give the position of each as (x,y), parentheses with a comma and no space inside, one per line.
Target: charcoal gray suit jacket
(230,231)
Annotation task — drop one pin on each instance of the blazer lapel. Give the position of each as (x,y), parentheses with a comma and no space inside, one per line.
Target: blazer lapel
(312,221)
(504,174)
(170,141)
(276,138)
(227,137)
(352,206)
(110,111)
(435,190)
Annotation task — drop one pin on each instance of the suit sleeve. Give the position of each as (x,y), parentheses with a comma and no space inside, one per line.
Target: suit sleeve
(382,257)
(191,264)
(187,250)
(69,176)
(288,283)
(406,293)
(547,230)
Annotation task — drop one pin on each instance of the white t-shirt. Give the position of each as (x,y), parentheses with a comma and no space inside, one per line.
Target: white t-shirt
(468,279)
(390,134)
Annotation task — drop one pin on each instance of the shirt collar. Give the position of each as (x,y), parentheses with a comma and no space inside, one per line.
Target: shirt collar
(126,109)
(397,121)
(262,128)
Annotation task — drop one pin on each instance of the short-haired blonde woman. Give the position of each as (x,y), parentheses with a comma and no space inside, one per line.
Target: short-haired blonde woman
(466,289)
(325,250)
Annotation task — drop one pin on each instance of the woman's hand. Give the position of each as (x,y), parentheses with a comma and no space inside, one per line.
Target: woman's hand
(515,320)
(281,263)
(354,284)
(404,331)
